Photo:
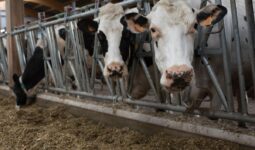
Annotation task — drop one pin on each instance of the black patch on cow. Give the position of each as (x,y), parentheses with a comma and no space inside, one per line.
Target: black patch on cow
(21,97)
(34,71)
(86,24)
(62,33)
(142,21)
(135,17)
(130,15)
(246,40)
(103,42)
(156,44)
(88,36)
(195,26)
(223,11)
(125,43)
(202,16)
(245,18)
(193,10)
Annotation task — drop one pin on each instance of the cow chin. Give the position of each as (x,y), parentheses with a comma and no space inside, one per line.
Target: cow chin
(115,71)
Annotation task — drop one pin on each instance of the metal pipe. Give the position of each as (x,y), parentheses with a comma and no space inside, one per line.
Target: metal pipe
(251,35)
(226,63)
(106,79)
(224,115)
(215,82)
(239,58)
(41,16)
(85,94)
(70,18)
(21,55)
(148,76)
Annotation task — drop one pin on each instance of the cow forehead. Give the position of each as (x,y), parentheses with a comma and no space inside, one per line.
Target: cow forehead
(110,12)
(109,17)
(172,12)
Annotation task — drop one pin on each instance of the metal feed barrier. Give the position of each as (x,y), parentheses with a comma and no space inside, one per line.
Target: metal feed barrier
(3,60)
(89,85)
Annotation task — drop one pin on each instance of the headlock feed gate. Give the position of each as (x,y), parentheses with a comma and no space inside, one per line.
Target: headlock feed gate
(73,71)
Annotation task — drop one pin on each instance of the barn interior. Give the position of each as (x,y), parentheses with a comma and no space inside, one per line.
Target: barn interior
(108,117)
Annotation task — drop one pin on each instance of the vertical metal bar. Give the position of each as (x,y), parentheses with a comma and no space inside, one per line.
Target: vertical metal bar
(239,58)
(251,35)
(147,74)
(122,87)
(41,17)
(106,79)
(3,60)
(132,76)
(94,63)
(54,54)
(226,63)
(215,82)
(21,55)
(156,72)
(83,51)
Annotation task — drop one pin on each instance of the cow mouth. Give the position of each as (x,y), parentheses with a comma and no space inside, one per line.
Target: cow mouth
(178,85)
(115,76)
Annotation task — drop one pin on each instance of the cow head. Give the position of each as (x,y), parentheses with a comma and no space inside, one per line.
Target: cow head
(172,25)
(114,37)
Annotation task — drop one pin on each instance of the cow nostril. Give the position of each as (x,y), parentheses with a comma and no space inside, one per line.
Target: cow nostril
(121,68)
(109,70)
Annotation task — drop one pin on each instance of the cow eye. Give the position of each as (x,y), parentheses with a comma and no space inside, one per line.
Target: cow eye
(101,36)
(153,30)
(156,42)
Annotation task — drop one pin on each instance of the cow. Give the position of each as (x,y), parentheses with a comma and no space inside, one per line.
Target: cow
(114,55)
(117,45)
(172,24)
(34,70)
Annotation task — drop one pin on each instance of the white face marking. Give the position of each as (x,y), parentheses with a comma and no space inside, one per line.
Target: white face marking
(109,17)
(172,21)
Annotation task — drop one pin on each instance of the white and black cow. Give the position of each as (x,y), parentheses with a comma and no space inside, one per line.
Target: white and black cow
(117,45)
(172,24)
(114,56)
(34,70)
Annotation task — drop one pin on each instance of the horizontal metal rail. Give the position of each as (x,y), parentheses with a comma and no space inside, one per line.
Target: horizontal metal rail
(219,114)
(69,18)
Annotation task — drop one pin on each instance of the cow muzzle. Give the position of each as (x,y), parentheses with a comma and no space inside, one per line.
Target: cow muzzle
(177,78)
(115,70)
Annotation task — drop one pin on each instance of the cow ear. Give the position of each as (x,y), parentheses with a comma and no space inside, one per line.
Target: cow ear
(135,22)
(87,25)
(211,14)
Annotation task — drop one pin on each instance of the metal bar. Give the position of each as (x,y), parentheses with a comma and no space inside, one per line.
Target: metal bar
(83,52)
(251,35)
(21,55)
(224,115)
(41,16)
(54,54)
(239,58)
(148,76)
(3,56)
(156,72)
(106,79)
(122,87)
(94,63)
(226,63)
(70,18)
(215,82)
